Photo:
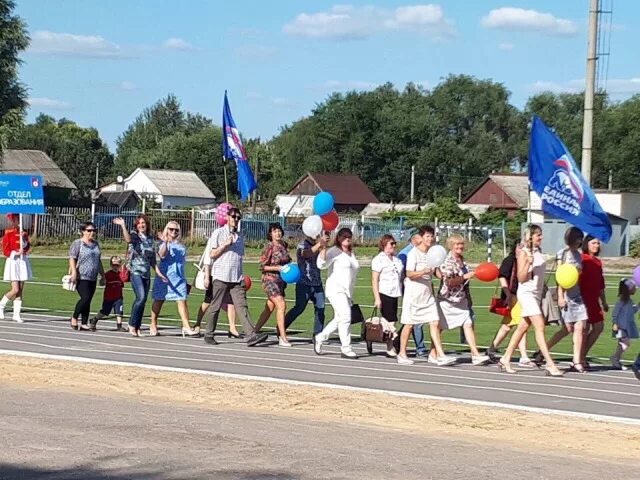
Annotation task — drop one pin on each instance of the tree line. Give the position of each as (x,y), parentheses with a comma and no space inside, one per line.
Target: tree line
(454,135)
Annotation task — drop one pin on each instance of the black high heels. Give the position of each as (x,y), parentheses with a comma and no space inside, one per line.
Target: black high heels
(233,335)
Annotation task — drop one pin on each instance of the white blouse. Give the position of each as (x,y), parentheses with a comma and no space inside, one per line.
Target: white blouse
(343,269)
(390,270)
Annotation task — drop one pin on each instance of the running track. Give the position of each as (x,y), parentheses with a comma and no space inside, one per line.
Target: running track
(609,394)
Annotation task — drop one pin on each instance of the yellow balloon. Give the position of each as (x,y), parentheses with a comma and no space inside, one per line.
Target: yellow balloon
(516,314)
(567,276)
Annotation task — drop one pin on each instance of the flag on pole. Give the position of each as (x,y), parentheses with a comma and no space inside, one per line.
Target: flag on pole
(233,148)
(556,179)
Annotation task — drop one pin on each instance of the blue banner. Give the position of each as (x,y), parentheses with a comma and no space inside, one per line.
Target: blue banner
(21,194)
(232,147)
(565,194)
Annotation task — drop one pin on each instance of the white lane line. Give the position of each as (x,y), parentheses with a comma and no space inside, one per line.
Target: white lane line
(308,362)
(523,408)
(330,374)
(272,353)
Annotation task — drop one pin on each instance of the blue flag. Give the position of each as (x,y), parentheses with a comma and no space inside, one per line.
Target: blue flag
(232,147)
(554,176)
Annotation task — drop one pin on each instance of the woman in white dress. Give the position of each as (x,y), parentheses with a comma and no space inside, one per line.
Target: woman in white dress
(455,298)
(17,269)
(530,273)
(343,268)
(418,303)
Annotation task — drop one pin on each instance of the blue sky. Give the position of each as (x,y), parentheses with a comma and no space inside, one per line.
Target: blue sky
(101,62)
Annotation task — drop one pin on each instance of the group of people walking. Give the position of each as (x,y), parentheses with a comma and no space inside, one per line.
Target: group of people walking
(438,296)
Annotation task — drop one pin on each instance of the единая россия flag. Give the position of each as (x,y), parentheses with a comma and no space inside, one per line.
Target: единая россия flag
(232,147)
(565,194)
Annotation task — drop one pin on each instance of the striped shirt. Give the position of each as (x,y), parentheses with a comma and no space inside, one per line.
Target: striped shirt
(228,266)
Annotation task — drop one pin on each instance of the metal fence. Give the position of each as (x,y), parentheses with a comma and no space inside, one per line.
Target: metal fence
(63,223)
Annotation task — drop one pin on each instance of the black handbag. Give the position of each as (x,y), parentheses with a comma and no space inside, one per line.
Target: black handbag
(356,314)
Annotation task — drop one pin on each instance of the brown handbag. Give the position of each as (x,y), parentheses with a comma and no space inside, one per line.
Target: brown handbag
(373,332)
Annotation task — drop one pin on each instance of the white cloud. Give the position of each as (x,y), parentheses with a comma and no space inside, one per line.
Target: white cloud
(48,103)
(520,19)
(615,87)
(255,51)
(127,85)
(178,44)
(506,46)
(348,85)
(283,102)
(70,45)
(253,95)
(346,22)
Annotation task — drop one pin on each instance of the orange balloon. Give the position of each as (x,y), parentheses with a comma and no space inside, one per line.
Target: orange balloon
(487,272)
(247,282)
(330,221)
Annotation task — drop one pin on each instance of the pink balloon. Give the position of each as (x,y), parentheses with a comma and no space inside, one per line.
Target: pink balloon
(221,213)
(636,275)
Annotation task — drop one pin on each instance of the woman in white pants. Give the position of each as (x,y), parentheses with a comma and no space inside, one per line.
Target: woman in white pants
(343,268)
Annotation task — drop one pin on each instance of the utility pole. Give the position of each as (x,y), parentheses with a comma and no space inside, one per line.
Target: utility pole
(589,92)
(413,181)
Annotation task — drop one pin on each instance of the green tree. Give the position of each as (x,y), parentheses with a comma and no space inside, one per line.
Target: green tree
(13,40)
(76,150)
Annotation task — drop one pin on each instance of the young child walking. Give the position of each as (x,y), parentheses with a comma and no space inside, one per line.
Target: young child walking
(112,300)
(624,324)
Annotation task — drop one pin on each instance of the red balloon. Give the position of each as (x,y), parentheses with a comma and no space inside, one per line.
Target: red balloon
(330,221)
(247,282)
(487,272)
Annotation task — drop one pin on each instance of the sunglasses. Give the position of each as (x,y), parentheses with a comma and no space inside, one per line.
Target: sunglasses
(90,230)
(173,229)
(393,244)
(237,217)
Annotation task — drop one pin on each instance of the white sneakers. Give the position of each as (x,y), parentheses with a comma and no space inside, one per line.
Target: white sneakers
(317,345)
(404,360)
(283,343)
(17,319)
(525,363)
(480,359)
(1,313)
(442,361)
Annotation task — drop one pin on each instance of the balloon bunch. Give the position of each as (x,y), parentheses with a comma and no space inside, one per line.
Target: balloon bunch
(324,218)
(221,213)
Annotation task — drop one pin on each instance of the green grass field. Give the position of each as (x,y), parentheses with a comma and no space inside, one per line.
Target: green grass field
(45,294)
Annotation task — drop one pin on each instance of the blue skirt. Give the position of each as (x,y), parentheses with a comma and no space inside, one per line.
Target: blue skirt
(173,290)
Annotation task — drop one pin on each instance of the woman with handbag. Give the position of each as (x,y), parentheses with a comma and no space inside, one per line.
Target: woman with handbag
(593,291)
(274,257)
(142,258)
(170,283)
(455,298)
(85,266)
(509,287)
(419,303)
(343,267)
(17,268)
(572,307)
(386,282)
(530,272)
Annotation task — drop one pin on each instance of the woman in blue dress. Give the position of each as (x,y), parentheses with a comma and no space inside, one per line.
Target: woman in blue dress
(170,283)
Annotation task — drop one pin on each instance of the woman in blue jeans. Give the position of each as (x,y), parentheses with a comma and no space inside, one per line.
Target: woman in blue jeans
(141,258)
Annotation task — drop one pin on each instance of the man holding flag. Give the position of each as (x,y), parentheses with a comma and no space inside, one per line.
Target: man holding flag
(233,148)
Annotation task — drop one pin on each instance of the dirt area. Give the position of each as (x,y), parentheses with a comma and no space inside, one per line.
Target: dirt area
(519,430)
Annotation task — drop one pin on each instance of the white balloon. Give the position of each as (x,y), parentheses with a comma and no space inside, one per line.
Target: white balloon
(312,226)
(436,256)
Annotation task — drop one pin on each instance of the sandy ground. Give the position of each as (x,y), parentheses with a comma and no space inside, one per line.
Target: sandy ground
(519,430)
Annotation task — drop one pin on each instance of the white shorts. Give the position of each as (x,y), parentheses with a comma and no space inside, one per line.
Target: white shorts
(530,304)
(17,268)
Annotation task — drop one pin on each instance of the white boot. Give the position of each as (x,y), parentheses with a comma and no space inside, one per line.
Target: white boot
(17,306)
(3,304)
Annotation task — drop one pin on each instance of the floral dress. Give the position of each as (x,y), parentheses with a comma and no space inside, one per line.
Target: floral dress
(274,255)
(454,301)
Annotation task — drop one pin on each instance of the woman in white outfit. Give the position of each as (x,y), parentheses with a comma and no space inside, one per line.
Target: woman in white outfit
(343,268)
(17,269)
(530,273)
(418,303)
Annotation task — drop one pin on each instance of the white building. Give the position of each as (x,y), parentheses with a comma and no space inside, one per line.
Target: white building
(169,188)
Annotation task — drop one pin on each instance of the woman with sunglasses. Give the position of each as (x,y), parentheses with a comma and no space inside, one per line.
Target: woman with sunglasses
(142,258)
(343,268)
(386,278)
(274,257)
(170,283)
(85,266)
